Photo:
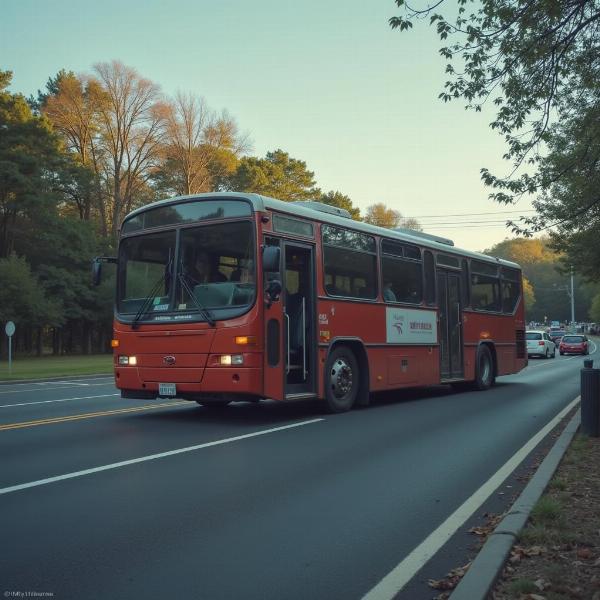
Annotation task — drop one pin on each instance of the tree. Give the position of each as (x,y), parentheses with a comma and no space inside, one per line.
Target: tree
(133,121)
(200,148)
(30,162)
(73,106)
(277,175)
(537,63)
(341,201)
(595,309)
(382,216)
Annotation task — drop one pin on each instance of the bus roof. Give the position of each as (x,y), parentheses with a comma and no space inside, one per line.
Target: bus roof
(300,209)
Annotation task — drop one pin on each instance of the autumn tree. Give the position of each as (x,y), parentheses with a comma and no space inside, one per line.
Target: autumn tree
(537,64)
(200,148)
(277,175)
(73,106)
(382,216)
(133,122)
(379,214)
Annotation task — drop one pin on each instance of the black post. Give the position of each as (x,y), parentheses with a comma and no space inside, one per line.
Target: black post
(590,399)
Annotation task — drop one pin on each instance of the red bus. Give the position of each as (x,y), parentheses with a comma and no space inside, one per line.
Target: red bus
(227,297)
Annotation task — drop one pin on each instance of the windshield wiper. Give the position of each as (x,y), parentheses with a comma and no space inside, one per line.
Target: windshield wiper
(148,299)
(204,312)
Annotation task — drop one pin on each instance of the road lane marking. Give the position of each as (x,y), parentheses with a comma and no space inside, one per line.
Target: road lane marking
(133,461)
(59,400)
(2,391)
(105,413)
(400,575)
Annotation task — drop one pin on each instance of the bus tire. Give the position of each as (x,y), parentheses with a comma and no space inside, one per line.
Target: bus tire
(341,380)
(484,369)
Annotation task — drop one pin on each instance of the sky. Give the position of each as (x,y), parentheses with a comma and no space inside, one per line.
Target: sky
(328,82)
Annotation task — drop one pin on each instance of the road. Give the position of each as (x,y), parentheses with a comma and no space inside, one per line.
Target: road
(108,498)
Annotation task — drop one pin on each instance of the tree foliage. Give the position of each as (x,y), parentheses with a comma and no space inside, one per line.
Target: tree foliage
(382,216)
(538,64)
(277,175)
(340,200)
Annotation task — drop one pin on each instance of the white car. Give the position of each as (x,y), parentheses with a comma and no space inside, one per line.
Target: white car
(539,343)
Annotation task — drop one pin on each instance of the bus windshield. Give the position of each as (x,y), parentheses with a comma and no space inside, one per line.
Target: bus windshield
(187,272)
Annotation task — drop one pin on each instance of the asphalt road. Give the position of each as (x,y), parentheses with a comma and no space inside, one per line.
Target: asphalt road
(108,498)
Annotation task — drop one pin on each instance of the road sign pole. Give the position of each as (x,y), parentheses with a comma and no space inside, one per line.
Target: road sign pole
(9,329)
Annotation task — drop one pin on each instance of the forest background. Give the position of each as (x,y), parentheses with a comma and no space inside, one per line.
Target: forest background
(90,148)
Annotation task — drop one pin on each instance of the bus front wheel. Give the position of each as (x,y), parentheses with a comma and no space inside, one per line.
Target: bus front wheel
(341,380)
(484,369)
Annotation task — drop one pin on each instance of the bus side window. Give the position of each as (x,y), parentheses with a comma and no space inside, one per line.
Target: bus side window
(429,277)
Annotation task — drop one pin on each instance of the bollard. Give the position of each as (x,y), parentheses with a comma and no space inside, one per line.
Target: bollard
(590,400)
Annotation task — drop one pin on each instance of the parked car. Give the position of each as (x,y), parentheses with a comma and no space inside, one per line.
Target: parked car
(539,343)
(574,344)
(556,335)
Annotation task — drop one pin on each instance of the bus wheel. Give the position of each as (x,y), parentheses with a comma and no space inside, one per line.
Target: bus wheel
(341,380)
(484,375)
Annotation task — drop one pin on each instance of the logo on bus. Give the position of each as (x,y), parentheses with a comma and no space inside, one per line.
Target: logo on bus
(169,360)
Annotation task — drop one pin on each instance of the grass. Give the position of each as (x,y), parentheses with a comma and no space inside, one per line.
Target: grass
(522,586)
(56,366)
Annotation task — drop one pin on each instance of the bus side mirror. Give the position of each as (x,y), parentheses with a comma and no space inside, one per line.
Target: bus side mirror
(271,259)
(97,267)
(96,272)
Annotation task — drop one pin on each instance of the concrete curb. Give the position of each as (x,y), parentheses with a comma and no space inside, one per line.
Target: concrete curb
(482,575)
(57,378)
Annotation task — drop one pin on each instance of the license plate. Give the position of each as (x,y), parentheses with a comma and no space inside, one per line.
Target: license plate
(167,389)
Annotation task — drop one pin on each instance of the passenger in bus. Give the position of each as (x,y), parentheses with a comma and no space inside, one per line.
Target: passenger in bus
(202,270)
(244,273)
(388,292)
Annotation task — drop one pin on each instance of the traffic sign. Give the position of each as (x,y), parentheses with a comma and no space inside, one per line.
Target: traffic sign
(10,328)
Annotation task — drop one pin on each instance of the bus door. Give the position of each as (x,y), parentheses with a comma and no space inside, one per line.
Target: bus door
(451,351)
(298,298)
(290,346)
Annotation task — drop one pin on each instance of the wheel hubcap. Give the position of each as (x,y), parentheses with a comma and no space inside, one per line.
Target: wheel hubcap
(341,378)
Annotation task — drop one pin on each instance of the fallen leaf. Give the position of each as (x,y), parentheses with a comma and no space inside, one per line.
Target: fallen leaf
(584,553)
(540,584)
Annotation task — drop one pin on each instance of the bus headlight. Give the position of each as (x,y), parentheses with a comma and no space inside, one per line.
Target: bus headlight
(128,360)
(231,359)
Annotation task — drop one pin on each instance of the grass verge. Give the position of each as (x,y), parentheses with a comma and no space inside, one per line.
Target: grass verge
(557,556)
(56,366)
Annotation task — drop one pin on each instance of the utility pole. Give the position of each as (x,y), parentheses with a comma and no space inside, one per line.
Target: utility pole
(572,300)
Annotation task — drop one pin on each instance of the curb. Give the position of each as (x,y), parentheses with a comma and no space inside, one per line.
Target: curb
(482,575)
(57,378)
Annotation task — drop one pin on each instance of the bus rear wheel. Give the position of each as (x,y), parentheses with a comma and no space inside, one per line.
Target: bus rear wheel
(484,369)
(341,380)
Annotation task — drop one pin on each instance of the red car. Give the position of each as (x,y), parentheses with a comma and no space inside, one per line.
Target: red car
(573,344)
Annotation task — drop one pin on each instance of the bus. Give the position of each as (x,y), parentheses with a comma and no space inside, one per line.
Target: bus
(226,297)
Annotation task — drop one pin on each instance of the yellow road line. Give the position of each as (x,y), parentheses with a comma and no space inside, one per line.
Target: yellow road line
(88,415)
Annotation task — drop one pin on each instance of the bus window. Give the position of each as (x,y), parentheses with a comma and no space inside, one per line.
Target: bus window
(402,277)
(349,263)
(429,277)
(465,287)
(511,290)
(485,287)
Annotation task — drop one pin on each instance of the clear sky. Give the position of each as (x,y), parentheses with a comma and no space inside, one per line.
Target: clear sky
(327,81)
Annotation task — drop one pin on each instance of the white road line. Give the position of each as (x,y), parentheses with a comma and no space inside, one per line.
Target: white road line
(125,463)
(59,400)
(398,577)
(37,389)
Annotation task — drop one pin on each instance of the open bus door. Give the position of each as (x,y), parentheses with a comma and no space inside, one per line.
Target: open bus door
(451,334)
(290,347)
